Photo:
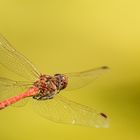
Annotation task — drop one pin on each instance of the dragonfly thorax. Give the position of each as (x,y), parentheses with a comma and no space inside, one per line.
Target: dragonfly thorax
(49,86)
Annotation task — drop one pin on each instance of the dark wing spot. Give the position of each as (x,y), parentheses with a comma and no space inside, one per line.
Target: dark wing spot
(103,115)
(105,67)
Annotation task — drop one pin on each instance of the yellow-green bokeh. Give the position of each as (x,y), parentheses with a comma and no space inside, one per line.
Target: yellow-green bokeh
(64,36)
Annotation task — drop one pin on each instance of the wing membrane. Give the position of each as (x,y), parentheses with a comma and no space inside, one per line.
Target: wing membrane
(62,110)
(16,62)
(79,79)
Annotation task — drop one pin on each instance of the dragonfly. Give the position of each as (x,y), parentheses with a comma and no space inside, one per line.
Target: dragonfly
(44,90)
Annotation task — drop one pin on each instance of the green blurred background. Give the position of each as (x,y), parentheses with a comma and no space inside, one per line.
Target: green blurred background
(64,36)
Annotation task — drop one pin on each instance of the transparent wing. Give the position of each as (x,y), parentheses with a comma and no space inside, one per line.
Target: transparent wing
(62,110)
(10,88)
(79,79)
(16,62)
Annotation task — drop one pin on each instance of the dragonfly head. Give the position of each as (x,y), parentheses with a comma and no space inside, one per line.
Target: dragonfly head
(61,80)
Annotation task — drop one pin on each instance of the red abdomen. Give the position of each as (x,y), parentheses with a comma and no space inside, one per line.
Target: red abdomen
(32,91)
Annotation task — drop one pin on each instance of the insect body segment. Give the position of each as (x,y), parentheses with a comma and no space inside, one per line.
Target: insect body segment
(49,86)
(32,91)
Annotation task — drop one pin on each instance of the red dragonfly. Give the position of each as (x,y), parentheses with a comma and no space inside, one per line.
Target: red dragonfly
(44,90)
